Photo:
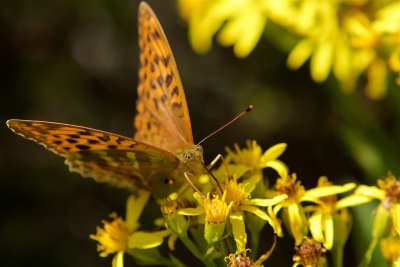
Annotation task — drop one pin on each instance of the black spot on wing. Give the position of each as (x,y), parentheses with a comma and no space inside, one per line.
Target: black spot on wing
(152,84)
(155,102)
(156,59)
(165,60)
(156,35)
(160,80)
(168,80)
(82,147)
(72,141)
(175,91)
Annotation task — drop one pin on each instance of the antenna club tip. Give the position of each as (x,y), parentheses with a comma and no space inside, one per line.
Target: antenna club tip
(249,108)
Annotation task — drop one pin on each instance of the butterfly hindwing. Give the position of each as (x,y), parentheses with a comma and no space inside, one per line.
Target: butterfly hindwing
(162,116)
(107,157)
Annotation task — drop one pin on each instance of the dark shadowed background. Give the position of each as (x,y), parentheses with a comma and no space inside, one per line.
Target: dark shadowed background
(76,62)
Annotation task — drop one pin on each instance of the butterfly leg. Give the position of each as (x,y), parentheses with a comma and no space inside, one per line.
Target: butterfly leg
(186,174)
(215,160)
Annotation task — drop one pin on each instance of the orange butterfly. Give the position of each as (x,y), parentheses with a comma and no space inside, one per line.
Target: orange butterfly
(163,148)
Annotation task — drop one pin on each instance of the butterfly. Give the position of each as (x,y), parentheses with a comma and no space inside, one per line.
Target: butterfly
(162,149)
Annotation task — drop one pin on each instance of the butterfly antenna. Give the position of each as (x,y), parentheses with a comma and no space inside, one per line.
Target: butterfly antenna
(249,108)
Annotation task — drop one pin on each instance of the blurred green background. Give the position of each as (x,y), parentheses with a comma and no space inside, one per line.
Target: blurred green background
(76,62)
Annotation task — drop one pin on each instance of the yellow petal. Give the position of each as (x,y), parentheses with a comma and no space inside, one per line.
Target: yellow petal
(370,191)
(377,76)
(315,222)
(171,242)
(353,200)
(321,61)
(273,152)
(134,209)
(297,222)
(299,54)
(342,64)
(279,167)
(238,230)
(258,212)
(329,231)
(118,260)
(319,192)
(145,240)
(266,202)
(191,211)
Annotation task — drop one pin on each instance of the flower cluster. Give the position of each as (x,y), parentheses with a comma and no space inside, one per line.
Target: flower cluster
(223,216)
(348,38)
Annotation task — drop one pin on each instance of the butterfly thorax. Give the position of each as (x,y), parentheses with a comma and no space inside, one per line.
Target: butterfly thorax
(191,159)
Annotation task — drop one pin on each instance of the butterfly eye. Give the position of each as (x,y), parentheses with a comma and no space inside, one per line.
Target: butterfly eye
(170,181)
(187,157)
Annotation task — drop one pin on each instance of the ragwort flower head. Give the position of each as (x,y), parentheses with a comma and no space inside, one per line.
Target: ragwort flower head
(240,259)
(113,237)
(253,157)
(330,214)
(309,254)
(119,236)
(389,195)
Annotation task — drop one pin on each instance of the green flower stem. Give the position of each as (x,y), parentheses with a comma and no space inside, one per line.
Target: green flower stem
(368,255)
(254,244)
(194,250)
(337,256)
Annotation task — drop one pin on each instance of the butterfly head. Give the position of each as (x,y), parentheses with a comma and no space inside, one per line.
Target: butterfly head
(192,158)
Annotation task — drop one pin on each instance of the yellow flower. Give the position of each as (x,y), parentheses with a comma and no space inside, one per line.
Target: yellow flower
(113,237)
(389,195)
(387,214)
(330,212)
(252,157)
(292,209)
(237,200)
(119,236)
(321,221)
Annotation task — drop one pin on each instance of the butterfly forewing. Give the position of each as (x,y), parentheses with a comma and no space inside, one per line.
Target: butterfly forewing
(107,157)
(162,114)
(126,168)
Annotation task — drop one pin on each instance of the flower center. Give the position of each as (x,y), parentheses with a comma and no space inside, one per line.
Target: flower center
(113,237)
(392,188)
